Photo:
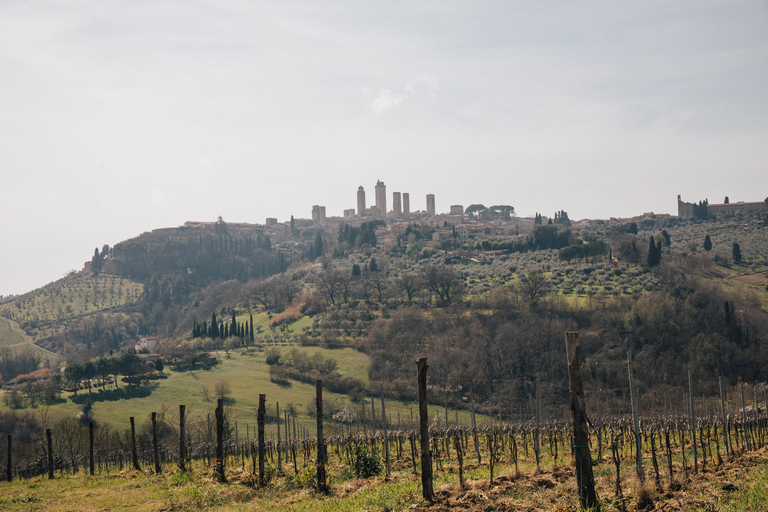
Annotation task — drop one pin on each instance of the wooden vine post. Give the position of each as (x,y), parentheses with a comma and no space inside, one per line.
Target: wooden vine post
(279,441)
(322,485)
(182,441)
(134,453)
(9,465)
(155,448)
(426,456)
(634,399)
(91,468)
(261,419)
(50,453)
(220,441)
(724,418)
(585,480)
(693,424)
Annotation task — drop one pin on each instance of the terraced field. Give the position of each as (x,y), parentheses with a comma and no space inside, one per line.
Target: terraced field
(49,310)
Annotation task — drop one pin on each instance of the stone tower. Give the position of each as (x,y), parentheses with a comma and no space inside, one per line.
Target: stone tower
(361,201)
(396,209)
(430,205)
(406,205)
(381,198)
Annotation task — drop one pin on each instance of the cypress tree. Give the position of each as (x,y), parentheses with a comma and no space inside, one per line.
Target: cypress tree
(707,243)
(251,326)
(654,255)
(214,327)
(736,252)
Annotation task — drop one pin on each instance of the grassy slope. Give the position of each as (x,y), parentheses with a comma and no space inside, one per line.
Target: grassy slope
(12,337)
(248,376)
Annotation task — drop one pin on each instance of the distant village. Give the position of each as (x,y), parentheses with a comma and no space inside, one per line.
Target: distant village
(458,221)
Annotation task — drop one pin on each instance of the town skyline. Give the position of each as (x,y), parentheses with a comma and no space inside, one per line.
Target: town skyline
(121,119)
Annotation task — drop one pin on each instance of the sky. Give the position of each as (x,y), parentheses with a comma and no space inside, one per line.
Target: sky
(121,117)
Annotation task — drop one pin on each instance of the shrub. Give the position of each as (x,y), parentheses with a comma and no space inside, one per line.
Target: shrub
(273,356)
(367,462)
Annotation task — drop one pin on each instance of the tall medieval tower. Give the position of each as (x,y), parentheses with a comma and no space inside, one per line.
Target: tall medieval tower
(381,198)
(361,201)
(396,210)
(430,205)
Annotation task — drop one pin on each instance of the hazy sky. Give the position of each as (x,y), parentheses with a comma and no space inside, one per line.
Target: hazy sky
(120,117)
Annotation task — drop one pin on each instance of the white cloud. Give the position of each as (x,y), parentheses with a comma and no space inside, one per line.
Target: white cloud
(422,83)
(384,100)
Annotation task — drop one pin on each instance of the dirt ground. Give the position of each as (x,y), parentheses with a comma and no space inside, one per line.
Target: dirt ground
(753,279)
(555,489)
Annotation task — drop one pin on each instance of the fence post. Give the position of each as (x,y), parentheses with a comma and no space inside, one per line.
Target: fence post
(636,422)
(261,419)
(9,467)
(693,424)
(322,485)
(599,429)
(154,443)
(182,445)
(386,435)
(134,453)
(220,440)
(745,430)
(585,481)
(279,444)
(725,419)
(426,456)
(90,449)
(50,453)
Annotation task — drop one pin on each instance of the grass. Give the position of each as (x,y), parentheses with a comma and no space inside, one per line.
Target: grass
(247,374)
(12,337)
(552,487)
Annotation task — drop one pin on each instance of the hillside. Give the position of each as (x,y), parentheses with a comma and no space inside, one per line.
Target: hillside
(489,310)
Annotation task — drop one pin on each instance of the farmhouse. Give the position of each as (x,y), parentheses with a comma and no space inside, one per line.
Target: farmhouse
(148,344)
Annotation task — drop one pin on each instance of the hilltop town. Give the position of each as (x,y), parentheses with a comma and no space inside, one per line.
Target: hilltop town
(474,221)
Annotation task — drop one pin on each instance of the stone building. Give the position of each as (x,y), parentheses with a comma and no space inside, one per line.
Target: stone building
(381,198)
(396,205)
(430,205)
(361,201)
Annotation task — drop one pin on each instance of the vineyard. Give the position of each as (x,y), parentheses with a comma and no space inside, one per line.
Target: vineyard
(652,457)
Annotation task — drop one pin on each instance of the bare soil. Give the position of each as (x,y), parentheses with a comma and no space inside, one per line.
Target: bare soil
(554,489)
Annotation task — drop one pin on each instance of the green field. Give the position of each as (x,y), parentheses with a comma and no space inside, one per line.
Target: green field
(247,374)
(13,338)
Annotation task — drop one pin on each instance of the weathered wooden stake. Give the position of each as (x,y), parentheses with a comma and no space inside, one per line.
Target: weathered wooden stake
(322,485)
(386,435)
(9,467)
(182,445)
(599,429)
(585,481)
(725,419)
(693,424)
(279,444)
(220,441)
(261,419)
(50,453)
(134,452)
(636,422)
(426,456)
(154,443)
(91,469)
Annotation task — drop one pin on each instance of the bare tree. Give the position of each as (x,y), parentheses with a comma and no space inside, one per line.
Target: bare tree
(444,282)
(532,286)
(223,389)
(408,284)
